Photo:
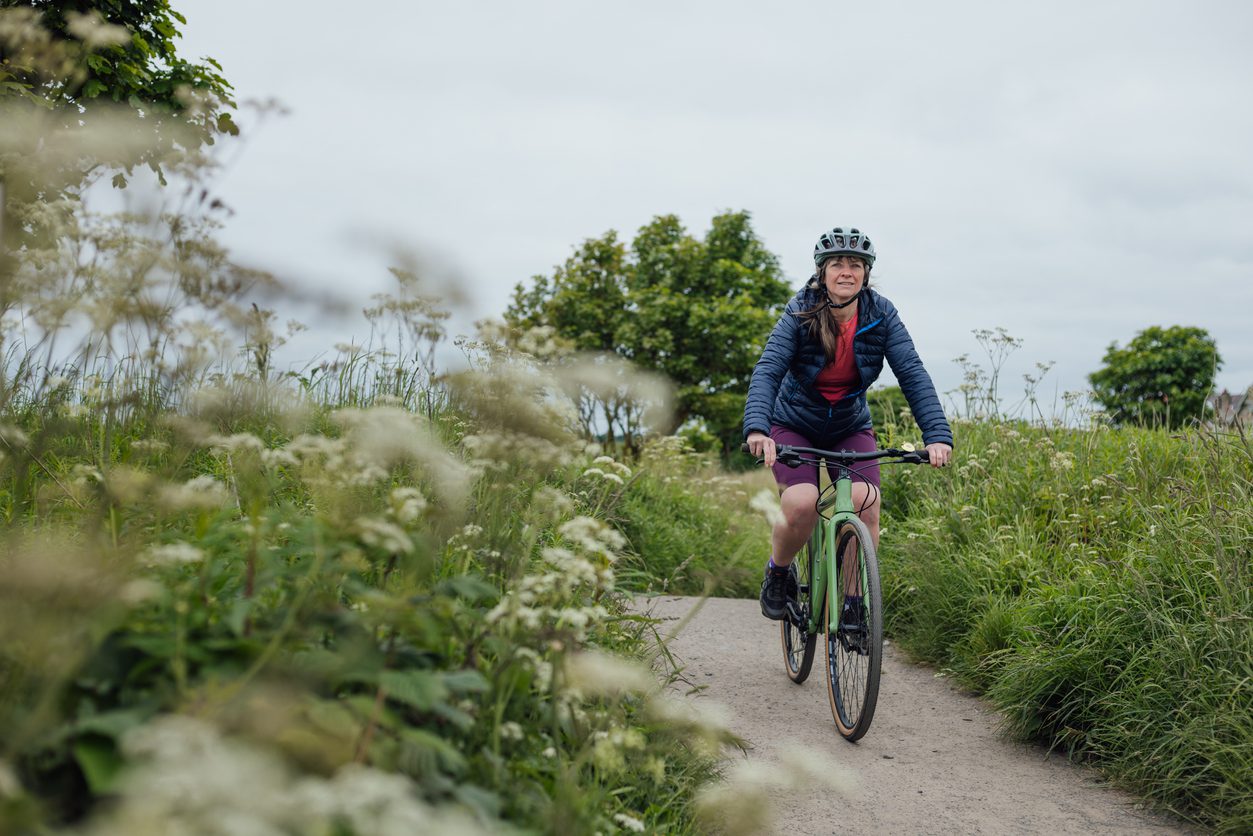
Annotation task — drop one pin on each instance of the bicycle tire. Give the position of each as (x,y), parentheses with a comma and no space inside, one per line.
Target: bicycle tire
(798,643)
(853,677)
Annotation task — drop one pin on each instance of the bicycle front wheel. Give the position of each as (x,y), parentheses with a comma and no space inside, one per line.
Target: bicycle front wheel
(798,643)
(855,642)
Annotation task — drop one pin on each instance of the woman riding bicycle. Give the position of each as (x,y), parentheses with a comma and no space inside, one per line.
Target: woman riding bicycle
(809,390)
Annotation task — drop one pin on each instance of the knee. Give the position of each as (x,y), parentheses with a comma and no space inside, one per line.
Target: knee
(799,511)
(802,518)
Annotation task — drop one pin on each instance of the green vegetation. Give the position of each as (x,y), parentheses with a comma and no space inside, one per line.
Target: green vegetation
(686,525)
(407,592)
(1161,379)
(697,312)
(349,598)
(1095,585)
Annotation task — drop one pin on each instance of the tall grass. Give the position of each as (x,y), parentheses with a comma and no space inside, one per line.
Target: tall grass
(1095,584)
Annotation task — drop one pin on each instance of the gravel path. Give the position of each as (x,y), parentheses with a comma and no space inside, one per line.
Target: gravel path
(932,763)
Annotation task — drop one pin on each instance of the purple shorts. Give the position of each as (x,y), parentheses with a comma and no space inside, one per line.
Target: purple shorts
(807,474)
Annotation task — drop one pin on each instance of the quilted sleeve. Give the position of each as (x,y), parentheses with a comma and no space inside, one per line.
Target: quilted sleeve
(915,383)
(771,367)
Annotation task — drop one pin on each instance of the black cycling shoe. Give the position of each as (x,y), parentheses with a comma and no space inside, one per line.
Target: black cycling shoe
(774,592)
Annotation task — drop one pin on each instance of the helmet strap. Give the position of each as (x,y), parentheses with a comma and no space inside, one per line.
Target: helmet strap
(838,305)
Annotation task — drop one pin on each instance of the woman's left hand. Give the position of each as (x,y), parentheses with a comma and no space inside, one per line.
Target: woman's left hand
(939,454)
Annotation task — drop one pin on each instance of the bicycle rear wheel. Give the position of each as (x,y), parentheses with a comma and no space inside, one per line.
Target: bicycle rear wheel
(798,643)
(855,646)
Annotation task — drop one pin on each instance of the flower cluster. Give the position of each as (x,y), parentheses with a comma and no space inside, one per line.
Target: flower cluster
(551,602)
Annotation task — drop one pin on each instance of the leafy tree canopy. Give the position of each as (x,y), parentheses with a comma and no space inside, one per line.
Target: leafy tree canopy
(67,59)
(1161,378)
(697,311)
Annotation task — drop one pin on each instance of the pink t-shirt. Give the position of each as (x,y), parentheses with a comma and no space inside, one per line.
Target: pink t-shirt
(840,377)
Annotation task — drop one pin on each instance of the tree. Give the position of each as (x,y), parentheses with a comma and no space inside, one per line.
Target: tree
(94,89)
(1162,377)
(697,311)
(67,56)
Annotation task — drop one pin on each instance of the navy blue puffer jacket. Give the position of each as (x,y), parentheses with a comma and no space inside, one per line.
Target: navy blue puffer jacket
(782,388)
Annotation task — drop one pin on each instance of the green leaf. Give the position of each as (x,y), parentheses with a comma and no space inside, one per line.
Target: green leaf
(431,751)
(119,181)
(237,617)
(465,682)
(112,724)
(420,689)
(100,762)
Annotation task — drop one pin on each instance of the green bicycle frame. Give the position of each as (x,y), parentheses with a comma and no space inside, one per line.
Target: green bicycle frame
(826,580)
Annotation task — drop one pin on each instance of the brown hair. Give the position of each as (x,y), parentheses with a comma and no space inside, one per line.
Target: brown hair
(819,319)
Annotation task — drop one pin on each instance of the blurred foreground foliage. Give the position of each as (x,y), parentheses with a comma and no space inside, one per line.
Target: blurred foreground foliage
(356,596)
(353,597)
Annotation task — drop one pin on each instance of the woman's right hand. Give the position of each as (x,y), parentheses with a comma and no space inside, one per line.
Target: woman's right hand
(761,446)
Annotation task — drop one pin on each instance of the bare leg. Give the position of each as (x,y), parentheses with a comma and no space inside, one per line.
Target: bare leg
(870,514)
(799,515)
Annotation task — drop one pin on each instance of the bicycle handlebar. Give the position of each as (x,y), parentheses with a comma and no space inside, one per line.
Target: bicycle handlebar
(795,456)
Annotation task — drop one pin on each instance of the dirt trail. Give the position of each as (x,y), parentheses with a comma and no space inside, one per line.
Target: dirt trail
(932,762)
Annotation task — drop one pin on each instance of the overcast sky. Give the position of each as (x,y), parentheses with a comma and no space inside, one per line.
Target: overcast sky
(1070,171)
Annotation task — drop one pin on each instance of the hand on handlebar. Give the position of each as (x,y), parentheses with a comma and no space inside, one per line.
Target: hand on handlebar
(762,446)
(939,454)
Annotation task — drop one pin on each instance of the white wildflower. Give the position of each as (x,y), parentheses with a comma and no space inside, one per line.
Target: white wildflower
(202,492)
(384,535)
(1062,461)
(595,673)
(173,554)
(81,474)
(556,503)
(407,504)
(509,730)
(237,443)
(628,822)
(766,502)
(149,446)
(279,458)
(593,536)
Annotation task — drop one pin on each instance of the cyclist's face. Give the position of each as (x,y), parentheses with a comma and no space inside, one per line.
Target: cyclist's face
(844,276)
